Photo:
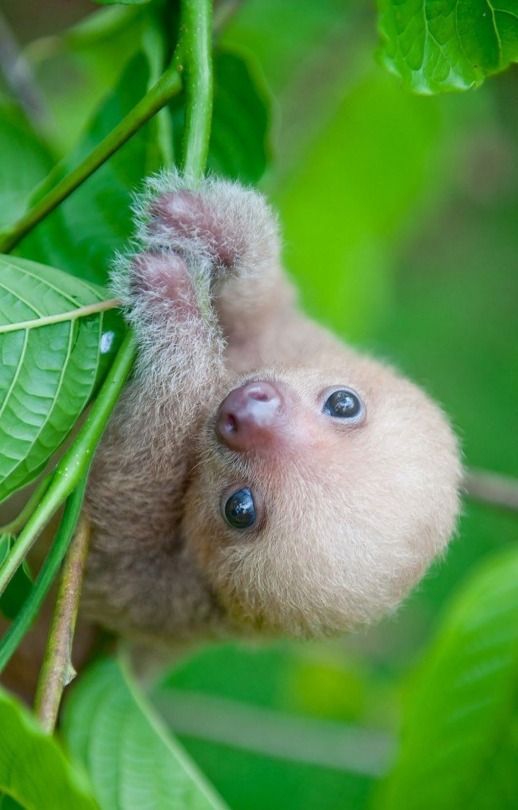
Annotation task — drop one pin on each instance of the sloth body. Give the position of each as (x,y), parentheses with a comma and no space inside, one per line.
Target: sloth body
(257,475)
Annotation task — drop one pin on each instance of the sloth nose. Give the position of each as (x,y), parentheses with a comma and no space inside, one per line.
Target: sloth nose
(250,416)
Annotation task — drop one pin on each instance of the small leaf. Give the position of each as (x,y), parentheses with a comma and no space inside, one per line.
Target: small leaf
(51,353)
(20,585)
(238,146)
(441,45)
(132,761)
(459,735)
(33,768)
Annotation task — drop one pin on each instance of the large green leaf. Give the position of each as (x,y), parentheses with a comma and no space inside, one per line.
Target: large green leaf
(82,235)
(239,146)
(52,354)
(133,762)
(33,768)
(460,740)
(440,45)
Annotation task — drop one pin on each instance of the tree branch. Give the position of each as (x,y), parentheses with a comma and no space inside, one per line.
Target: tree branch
(57,670)
(195,54)
(492,488)
(25,617)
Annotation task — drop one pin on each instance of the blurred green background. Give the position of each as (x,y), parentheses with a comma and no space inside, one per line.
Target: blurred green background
(400,219)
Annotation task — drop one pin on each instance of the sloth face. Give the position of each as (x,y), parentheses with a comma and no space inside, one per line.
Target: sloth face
(256,419)
(323,495)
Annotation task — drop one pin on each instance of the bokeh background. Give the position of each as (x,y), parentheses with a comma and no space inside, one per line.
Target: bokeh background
(400,218)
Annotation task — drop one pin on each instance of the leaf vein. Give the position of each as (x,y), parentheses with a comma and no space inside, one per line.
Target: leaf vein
(16,373)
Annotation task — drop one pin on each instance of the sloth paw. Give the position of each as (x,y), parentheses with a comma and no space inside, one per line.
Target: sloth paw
(164,277)
(186,219)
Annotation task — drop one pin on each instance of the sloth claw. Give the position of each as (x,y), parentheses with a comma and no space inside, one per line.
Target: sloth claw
(165,276)
(178,216)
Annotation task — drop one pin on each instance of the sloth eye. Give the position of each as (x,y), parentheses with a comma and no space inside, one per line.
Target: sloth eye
(239,509)
(343,404)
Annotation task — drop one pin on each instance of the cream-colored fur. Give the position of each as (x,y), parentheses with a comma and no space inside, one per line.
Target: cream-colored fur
(351,515)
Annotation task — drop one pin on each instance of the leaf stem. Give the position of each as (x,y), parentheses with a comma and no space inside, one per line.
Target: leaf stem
(196,56)
(76,460)
(57,670)
(48,571)
(71,315)
(157,97)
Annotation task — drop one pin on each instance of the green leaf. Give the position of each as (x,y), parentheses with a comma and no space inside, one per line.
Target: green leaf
(82,236)
(20,585)
(460,736)
(133,762)
(51,355)
(33,767)
(24,163)
(238,146)
(442,45)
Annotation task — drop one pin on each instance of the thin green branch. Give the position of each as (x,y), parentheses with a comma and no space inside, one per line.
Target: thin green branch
(21,518)
(76,460)
(57,670)
(46,575)
(196,59)
(163,91)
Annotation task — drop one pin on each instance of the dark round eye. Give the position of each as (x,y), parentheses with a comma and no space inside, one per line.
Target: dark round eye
(343,404)
(240,509)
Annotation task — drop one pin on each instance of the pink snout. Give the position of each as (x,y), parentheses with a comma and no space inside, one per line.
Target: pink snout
(250,417)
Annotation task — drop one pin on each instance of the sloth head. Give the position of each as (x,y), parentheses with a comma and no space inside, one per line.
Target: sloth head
(322,496)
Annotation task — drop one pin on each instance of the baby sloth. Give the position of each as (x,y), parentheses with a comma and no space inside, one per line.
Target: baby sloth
(258,475)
